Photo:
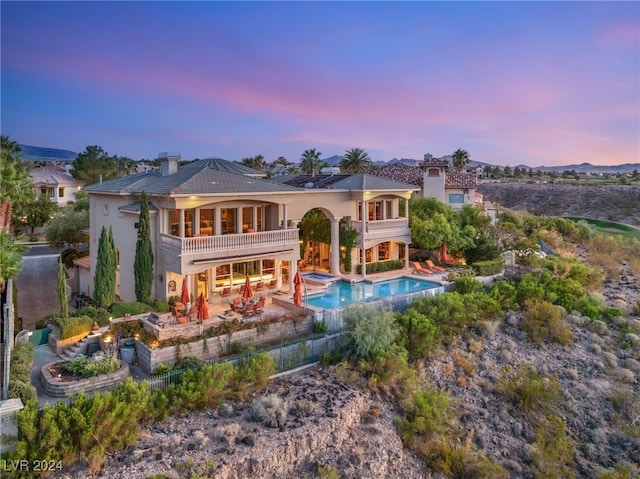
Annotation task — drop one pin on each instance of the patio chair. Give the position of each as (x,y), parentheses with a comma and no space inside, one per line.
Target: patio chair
(259,307)
(273,284)
(176,314)
(249,310)
(417,268)
(260,286)
(235,307)
(434,267)
(225,293)
(193,314)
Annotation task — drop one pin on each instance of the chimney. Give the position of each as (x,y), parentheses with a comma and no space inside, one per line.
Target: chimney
(168,163)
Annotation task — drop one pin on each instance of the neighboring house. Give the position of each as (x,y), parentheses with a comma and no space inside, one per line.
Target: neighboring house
(54,182)
(453,189)
(215,222)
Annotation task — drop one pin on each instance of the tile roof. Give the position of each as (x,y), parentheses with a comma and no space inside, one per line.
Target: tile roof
(52,178)
(189,181)
(359,181)
(223,165)
(400,172)
(460,180)
(434,162)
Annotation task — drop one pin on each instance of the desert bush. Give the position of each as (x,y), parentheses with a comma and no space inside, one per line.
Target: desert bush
(506,295)
(636,308)
(271,410)
(74,326)
(251,375)
(543,322)
(619,471)
(488,268)
(425,414)
(460,462)
(420,335)
(199,388)
(529,390)
(370,331)
(329,472)
(467,285)
(22,390)
(463,363)
(553,451)
(529,287)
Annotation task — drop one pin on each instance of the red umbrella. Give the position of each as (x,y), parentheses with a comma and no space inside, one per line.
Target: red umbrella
(203,312)
(184,297)
(247,294)
(297,290)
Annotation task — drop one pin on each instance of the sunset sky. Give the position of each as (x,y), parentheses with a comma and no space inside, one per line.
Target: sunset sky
(535,83)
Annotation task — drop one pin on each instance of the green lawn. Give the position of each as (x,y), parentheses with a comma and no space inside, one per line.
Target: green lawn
(610,228)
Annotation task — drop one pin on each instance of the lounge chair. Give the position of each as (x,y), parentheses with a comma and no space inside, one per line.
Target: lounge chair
(434,267)
(417,268)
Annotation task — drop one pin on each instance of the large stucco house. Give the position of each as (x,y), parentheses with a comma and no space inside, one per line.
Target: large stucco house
(214,222)
(434,180)
(56,183)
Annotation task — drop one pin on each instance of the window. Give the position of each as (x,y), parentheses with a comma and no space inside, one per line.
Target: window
(188,222)
(207,222)
(247,220)
(105,209)
(228,217)
(174,221)
(456,198)
(433,172)
(61,192)
(383,251)
(268,269)
(223,275)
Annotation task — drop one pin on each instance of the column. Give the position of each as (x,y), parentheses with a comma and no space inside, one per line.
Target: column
(284,217)
(335,245)
(293,269)
(196,221)
(406,255)
(217,221)
(181,222)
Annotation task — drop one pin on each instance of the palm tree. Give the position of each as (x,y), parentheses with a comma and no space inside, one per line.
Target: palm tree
(10,257)
(356,160)
(460,159)
(15,185)
(309,161)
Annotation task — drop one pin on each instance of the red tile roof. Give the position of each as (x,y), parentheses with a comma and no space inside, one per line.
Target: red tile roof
(460,180)
(414,176)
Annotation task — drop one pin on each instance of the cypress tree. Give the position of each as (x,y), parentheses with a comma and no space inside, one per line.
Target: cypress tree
(104,280)
(62,290)
(143,263)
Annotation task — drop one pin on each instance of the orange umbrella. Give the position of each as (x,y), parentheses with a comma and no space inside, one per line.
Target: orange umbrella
(203,312)
(297,289)
(184,297)
(247,294)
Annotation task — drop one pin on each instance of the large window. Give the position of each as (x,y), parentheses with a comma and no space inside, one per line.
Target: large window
(383,251)
(223,275)
(174,221)
(228,217)
(188,222)
(206,222)
(247,220)
(456,198)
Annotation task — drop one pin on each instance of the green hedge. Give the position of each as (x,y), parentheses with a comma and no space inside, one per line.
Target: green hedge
(118,310)
(20,373)
(73,326)
(382,266)
(487,268)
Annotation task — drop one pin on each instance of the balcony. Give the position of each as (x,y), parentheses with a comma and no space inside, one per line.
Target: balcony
(398,224)
(224,244)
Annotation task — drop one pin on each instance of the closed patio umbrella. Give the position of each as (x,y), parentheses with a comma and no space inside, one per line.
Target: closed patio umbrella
(184,296)
(247,294)
(203,312)
(297,289)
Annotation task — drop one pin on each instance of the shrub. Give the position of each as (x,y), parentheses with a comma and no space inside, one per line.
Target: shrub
(505,293)
(22,390)
(101,315)
(529,390)
(553,451)
(271,410)
(189,362)
(74,326)
(420,335)
(424,415)
(460,462)
(467,285)
(87,368)
(370,331)
(619,471)
(543,322)
(118,310)
(381,266)
(252,374)
(488,268)
(320,327)
(158,305)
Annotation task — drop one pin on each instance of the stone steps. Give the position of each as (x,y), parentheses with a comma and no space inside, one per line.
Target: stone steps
(74,350)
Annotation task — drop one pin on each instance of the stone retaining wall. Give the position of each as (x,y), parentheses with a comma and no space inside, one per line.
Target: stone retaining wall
(60,389)
(212,348)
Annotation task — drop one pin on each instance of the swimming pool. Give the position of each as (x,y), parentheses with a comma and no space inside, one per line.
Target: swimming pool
(342,293)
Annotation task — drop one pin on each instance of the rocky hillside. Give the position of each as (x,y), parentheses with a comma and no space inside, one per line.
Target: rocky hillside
(610,202)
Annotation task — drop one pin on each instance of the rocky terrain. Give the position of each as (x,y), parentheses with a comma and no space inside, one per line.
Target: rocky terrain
(609,202)
(331,425)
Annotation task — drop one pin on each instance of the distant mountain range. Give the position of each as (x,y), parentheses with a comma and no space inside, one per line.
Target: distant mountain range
(38,153)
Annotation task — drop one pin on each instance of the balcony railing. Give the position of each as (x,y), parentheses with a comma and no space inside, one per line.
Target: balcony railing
(245,241)
(380,225)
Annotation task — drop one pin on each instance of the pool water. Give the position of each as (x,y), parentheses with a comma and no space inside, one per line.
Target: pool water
(342,293)
(319,276)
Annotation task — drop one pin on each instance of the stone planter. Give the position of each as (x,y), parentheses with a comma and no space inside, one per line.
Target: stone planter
(59,389)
